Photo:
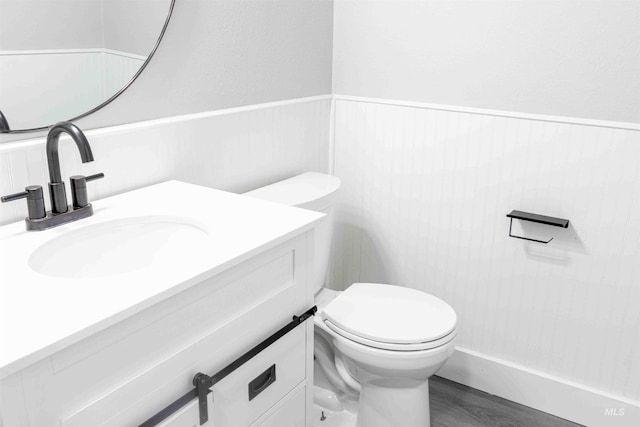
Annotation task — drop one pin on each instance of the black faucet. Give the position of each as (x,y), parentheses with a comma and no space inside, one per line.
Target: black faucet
(56,185)
(60,213)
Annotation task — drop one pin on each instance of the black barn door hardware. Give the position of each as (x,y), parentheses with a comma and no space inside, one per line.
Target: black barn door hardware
(540,219)
(203,382)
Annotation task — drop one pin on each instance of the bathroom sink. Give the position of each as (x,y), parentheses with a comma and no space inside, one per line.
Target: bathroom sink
(137,250)
(117,247)
(158,235)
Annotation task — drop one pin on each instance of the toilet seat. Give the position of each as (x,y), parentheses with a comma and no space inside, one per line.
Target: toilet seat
(390,346)
(390,317)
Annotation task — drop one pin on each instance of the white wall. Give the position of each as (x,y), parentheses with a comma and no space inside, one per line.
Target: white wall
(235,150)
(133,25)
(567,58)
(126,25)
(50,24)
(423,204)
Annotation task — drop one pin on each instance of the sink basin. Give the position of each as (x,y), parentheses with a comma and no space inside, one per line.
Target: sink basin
(116,247)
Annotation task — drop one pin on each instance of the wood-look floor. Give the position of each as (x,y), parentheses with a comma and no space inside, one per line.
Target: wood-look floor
(456,405)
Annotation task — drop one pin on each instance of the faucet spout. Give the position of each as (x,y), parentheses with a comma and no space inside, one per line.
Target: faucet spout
(56,185)
(53,159)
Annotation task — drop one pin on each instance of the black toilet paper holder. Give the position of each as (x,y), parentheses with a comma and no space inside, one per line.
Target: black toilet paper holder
(540,219)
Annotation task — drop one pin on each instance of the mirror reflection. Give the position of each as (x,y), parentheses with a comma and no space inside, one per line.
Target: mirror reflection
(62,58)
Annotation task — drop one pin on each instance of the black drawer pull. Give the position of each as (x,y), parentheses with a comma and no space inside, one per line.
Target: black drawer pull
(262,381)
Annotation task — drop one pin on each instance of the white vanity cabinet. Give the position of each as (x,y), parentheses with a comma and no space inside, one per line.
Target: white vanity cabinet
(127,372)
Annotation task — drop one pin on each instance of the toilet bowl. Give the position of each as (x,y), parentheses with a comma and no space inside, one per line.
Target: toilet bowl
(390,339)
(385,340)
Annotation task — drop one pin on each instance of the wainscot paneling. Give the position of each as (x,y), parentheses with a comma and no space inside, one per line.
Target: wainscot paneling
(423,204)
(236,150)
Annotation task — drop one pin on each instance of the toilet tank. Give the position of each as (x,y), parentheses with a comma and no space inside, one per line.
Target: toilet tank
(316,192)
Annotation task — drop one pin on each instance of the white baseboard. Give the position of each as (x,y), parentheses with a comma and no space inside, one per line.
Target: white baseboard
(571,401)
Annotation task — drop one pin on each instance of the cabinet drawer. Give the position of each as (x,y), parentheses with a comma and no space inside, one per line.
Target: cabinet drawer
(267,378)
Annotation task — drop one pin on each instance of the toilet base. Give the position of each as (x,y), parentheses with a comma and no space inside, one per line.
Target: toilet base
(394,406)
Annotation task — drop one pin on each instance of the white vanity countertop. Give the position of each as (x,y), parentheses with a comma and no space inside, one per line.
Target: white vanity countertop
(41,313)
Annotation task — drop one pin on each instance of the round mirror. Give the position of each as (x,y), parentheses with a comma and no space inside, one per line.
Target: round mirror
(65,59)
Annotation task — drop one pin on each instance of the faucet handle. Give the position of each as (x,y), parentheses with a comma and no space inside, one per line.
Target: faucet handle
(79,188)
(94,177)
(35,200)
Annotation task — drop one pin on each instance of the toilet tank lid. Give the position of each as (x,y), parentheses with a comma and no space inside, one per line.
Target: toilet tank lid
(298,191)
(391,314)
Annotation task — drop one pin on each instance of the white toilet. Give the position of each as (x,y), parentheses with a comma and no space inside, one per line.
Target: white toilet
(386,341)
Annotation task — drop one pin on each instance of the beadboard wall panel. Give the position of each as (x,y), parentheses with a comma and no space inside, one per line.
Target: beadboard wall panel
(235,150)
(423,204)
(117,69)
